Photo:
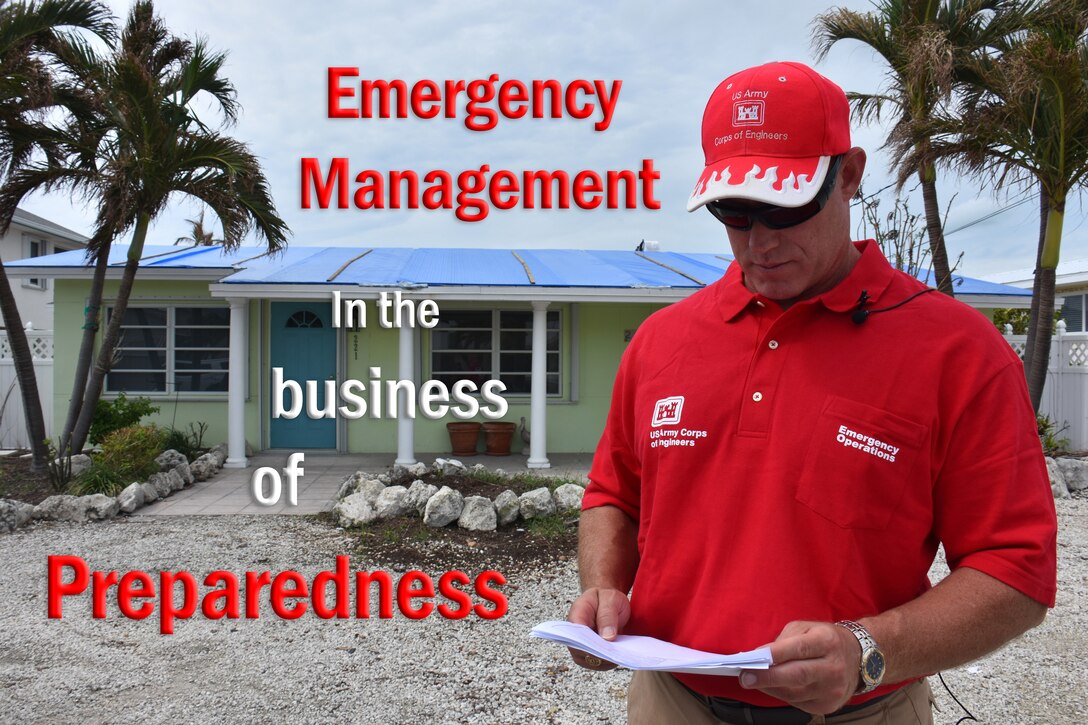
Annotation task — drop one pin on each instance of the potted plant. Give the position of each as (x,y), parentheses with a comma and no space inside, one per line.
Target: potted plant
(497,437)
(463,437)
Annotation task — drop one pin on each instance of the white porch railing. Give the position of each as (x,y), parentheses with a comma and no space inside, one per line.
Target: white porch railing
(1065,396)
(13,431)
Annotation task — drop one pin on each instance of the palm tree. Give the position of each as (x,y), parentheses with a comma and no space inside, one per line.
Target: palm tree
(32,34)
(198,235)
(143,145)
(925,44)
(1028,121)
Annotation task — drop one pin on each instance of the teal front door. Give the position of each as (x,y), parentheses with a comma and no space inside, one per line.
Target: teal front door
(304,345)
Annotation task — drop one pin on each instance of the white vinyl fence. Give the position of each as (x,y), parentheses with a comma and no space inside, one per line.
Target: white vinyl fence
(1065,397)
(13,432)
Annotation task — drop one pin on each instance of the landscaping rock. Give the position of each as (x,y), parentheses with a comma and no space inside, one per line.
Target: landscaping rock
(443,508)
(14,514)
(176,481)
(355,510)
(182,470)
(536,503)
(80,463)
(204,467)
(390,502)
(164,486)
(151,494)
(478,514)
(347,488)
(131,498)
(507,507)
(220,453)
(98,506)
(1075,473)
(169,459)
(1057,479)
(478,468)
(95,507)
(417,469)
(568,497)
(418,495)
(449,467)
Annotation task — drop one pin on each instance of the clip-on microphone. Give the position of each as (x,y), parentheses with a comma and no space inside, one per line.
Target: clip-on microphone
(861,314)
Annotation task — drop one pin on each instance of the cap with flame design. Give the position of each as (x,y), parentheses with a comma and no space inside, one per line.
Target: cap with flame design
(769,133)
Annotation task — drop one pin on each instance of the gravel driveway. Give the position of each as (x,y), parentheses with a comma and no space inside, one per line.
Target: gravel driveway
(434,670)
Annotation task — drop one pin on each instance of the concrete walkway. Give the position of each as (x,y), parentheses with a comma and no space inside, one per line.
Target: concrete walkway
(230,491)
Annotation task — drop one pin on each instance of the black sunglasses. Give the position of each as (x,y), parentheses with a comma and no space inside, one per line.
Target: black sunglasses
(776,217)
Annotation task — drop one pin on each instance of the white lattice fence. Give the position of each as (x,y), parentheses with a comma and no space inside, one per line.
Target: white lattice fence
(1065,397)
(13,430)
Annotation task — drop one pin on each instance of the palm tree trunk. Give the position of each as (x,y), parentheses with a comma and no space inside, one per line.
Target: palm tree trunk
(91,316)
(938,254)
(112,335)
(1045,300)
(1037,280)
(24,373)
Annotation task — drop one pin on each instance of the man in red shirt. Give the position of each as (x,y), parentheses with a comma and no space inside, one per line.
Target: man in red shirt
(786,449)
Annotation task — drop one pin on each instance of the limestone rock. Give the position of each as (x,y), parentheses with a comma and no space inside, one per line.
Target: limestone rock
(163,484)
(131,498)
(568,497)
(507,507)
(98,506)
(14,514)
(1057,479)
(355,510)
(95,507)
(390,502)
(204,467)
(443,508)
(151,494)
(449,467)
(418,495)
(80,463)
(170,458)
(220,453)
(535,503)
(182,469)
(1075,473)
(176,481)
(478,514)
(417,469)
(58,508)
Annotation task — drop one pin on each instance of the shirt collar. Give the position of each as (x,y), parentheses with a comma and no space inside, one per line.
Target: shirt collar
(870,274)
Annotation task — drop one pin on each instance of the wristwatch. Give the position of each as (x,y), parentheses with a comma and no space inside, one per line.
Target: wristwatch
(871,671)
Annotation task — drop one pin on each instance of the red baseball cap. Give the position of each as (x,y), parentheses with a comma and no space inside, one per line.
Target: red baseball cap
(769,133)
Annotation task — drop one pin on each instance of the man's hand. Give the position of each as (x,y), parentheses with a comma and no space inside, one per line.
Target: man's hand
(815,667)
(605,611)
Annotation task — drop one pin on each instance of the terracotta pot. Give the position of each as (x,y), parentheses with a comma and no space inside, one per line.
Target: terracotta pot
(497,436)
(463,437)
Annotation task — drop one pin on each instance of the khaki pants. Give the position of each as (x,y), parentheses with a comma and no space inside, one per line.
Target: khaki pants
(657,697)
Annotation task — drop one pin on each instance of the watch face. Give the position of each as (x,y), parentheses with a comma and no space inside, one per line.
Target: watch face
(874,666)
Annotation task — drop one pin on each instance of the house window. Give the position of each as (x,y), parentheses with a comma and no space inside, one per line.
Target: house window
(479,345)
(172,349)
(34,247)
(1073,313)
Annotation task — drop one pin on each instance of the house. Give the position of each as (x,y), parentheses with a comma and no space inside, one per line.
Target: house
(240,340)
(33,236)
(1070,289)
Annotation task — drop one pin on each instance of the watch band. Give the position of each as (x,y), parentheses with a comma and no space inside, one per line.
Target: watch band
(871,666)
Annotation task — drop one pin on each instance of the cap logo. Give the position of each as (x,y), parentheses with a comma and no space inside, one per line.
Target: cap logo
(748,113)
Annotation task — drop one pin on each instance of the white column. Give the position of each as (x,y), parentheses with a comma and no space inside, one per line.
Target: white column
(538,430)
(406,434)
(236,384)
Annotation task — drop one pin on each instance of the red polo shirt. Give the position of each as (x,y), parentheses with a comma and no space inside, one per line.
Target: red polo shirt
(794,465)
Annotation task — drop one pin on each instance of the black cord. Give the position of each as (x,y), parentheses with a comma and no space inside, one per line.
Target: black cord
(947,689)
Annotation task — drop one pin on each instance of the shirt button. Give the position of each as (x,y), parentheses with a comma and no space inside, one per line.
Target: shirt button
(757,396)
(773,344)
(760,304)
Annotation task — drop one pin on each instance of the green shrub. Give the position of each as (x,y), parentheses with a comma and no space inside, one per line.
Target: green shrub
(111,415)
(99,478)
(190,444)
(131,451)
(1049,433)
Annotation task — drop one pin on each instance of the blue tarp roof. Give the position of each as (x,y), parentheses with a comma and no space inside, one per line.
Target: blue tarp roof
(449,266)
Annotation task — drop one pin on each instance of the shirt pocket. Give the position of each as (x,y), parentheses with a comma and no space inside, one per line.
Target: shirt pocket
(859,461)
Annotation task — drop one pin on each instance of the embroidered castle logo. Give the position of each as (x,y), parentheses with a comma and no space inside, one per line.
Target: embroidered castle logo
(667,411)
(748,113)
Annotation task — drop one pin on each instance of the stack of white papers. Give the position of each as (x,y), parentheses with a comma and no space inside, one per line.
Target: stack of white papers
(647,653)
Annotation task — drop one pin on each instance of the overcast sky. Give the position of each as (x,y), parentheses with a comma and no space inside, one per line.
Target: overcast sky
(670,56)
